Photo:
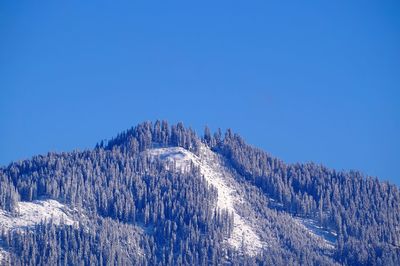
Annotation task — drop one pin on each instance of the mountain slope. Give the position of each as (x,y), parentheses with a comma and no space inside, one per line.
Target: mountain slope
(161,195)
(220,178)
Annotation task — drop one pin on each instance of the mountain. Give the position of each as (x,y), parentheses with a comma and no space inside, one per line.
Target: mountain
(161,195)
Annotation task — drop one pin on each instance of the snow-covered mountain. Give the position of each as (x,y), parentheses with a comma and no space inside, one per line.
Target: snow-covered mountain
(161,195)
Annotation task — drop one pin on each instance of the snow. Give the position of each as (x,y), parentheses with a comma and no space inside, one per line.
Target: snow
(327,238)
(31,213)
(229,196)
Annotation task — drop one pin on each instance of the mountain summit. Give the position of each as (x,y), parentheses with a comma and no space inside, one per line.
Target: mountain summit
(160,195)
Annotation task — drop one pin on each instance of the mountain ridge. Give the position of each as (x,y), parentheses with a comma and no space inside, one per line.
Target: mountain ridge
(360,214)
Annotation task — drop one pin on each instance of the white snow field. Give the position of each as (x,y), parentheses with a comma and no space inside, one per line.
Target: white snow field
(31,213)
(213,170)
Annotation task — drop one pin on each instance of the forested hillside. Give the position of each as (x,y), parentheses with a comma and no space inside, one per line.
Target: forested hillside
(160,195)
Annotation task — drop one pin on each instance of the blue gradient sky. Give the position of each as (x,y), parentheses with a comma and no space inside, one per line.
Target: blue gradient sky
(305,81)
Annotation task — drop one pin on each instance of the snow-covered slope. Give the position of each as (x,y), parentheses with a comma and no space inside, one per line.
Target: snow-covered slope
(229,197)
(32,213)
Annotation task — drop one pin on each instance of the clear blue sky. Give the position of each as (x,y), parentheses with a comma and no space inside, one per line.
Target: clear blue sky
(304,80)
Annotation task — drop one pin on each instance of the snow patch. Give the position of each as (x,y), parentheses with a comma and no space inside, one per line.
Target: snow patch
(31,213)
(326,237)
(211,167)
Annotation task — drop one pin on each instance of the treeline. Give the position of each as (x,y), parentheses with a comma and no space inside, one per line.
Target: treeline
(145,135)
(363,211)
